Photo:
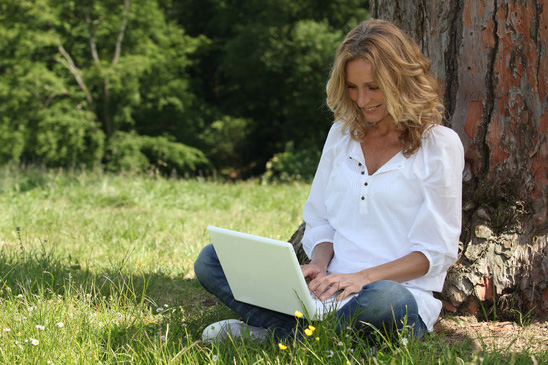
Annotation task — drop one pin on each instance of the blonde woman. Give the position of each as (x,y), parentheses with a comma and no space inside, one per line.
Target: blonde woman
(383,216)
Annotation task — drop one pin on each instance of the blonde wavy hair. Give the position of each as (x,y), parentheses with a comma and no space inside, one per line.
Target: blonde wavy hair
(403,75)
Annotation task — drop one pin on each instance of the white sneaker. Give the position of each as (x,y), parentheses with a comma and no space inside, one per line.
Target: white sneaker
(234,328)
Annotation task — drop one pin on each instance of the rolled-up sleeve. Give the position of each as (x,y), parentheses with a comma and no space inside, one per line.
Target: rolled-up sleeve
(436,229)
(318,229)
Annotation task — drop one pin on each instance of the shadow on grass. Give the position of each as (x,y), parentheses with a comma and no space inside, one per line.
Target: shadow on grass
(170,308)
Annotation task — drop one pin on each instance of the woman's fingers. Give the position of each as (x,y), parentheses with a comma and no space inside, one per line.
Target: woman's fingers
(328,286)
(333,283)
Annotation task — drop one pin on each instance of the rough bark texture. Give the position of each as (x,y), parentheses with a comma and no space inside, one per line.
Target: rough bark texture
(490,58)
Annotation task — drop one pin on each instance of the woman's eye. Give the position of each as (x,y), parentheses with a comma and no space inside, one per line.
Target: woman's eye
(350,87)
(374,88)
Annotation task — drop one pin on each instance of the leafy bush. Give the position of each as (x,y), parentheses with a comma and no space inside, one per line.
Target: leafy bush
(292,165)
(66,136)
(132,152)
(228,141)
(11,142)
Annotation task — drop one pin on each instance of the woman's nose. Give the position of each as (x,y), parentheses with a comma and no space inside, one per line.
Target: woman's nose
(363,98)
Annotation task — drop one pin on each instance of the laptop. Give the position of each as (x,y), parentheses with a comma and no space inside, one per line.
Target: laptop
(266,273)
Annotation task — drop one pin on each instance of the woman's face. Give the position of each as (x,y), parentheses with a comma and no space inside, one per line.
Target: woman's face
(365,92)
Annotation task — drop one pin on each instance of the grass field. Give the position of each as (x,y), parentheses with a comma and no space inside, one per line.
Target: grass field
(97,268)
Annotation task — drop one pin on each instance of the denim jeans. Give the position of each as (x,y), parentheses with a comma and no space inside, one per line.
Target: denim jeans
(385,305)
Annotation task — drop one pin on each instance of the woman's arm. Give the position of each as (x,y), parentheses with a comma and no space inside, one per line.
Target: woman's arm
(406,268)
(317,268)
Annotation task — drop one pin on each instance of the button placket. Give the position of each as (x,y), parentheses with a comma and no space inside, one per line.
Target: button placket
(364,206)
(361,166)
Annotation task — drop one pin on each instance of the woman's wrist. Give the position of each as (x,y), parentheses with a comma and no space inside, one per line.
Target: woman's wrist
(320,264)
(322,255)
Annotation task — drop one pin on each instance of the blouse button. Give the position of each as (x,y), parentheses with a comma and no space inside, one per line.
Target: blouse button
(363,197)
(359,163)
(363,172)
(365,184)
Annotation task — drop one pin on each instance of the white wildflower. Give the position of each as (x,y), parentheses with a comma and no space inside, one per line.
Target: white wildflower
(159,310)
(60,324)
(34,342)
(7,329)
(404,341)
(40,327)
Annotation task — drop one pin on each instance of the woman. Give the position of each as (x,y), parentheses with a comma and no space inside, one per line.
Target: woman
(384,212)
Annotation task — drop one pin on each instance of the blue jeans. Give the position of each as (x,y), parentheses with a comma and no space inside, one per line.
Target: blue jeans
(386,305)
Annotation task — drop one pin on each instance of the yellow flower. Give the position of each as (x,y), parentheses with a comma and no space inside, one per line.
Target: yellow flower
(298,314)
(282,346)
(317,338)
(310,330)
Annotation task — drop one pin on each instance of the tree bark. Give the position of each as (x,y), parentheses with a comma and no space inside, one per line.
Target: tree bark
(490,59)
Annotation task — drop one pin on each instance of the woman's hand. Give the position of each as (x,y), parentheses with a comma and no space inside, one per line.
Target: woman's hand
(346,284)
(313,273)
(316,270)
(406,268)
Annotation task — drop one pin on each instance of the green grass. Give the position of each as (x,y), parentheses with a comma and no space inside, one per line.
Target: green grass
(97,268)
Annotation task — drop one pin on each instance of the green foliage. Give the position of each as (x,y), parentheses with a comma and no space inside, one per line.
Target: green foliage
(290,64)
(291,165)
(132,152)
(71,75)
(227,140)
(68,137)
(11,141)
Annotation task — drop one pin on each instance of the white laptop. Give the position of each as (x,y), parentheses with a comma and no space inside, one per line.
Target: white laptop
(265,272)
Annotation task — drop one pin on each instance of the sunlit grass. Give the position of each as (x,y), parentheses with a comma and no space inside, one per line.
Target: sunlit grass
(97,268)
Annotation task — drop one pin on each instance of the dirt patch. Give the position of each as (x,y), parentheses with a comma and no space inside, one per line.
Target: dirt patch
(494,336)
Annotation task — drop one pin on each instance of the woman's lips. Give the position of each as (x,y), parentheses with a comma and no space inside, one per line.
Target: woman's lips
(371,109)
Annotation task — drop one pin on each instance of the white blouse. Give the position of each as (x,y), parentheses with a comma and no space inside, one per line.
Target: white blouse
(409,204)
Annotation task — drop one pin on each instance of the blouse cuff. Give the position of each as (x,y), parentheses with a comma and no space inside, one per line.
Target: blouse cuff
(437,261)
(316,235)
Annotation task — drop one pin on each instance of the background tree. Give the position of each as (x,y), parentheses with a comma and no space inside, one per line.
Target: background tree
(41,115)
(79,80)
(490,57)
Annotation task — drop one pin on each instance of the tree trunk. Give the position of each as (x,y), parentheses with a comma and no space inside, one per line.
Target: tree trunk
(490,58)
